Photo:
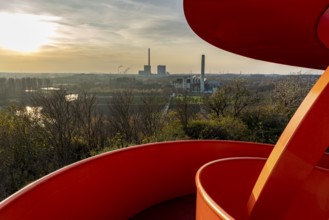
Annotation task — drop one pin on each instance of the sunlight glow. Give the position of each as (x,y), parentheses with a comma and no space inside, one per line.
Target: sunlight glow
(26,33)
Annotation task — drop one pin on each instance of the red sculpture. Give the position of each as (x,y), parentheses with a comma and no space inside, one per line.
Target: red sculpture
(235,180)
(293,181)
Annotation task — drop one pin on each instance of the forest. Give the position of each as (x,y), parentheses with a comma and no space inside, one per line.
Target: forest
(62,126)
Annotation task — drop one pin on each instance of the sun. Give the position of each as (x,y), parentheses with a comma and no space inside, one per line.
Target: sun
(26,33)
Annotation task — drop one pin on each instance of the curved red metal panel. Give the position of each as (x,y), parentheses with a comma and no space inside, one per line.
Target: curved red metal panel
(272,31)
(323,28)
(288,171)
(120,184)
(281,31)
(311,200)
(324,162)
(224,186)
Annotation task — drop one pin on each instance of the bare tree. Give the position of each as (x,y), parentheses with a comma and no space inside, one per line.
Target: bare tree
(219,101)
(60,122)
(150,115)
(184,108)
(91,122)
(241,97)
(230,99)
(123,117)
(289,92)
(71,124)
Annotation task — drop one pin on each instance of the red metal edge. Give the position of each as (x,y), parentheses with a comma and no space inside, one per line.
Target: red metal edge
(120,184)
(224,186)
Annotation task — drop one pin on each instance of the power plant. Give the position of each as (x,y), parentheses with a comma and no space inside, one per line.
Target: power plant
(195,83)
(148,69)
(192,83)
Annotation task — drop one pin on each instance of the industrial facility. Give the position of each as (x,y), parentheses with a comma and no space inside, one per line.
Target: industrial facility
(195,83)
(147,71)
(190,83)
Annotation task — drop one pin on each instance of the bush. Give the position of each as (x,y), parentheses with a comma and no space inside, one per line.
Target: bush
(265,124)
(202,129)
(226,128)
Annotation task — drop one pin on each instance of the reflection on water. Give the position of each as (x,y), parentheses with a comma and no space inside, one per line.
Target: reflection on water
(50,89)
(71,97)
(30,90)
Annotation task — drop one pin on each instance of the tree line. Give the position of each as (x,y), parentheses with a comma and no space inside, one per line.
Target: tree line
(61,129)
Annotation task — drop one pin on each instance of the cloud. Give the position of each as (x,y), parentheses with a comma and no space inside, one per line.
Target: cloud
(103,34)
(111,22)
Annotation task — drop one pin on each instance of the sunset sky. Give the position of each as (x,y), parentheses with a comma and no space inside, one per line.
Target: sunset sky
(108,36)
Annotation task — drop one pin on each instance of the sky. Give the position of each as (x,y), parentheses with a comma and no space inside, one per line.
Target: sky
(111,36)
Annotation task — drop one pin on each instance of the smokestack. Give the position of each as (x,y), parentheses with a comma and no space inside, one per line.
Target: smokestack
(203,63)
(149,57)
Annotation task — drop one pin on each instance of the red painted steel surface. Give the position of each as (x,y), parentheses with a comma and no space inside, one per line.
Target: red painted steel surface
(291,171)
(281,31)
(324,162)
(293,183)
(323,28)
(120,184)
(224,187)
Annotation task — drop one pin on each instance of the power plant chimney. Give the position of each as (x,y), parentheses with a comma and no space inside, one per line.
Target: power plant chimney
(147,68)
(149,57)
(203,63)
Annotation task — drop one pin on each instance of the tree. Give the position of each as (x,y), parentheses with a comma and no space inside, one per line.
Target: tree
(37,140)
(265,124)
(241,97)
(219,102)
(150,115)
(70,125)
(289,92)
(184,109)
(230,100)
(91,122)
(23,153)
(123,117)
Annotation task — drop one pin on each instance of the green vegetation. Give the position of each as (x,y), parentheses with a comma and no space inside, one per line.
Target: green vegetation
(61,130)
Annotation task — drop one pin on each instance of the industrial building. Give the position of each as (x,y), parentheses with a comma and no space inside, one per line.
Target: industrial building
(147,71)
(195,83)
(162,70)
(147,68)
(188,83)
